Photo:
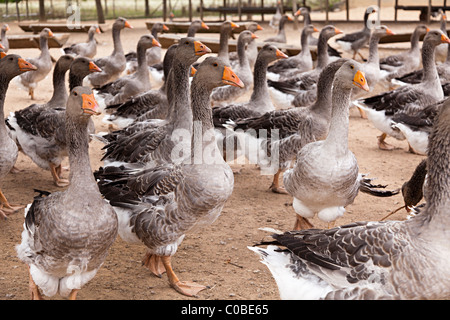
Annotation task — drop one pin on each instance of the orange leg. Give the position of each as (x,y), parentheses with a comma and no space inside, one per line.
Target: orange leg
(56,174)
(154,263)
(73,294)
(187,288)
(383,145)
(275,187)
(6,208)
(34,290)
(302,223)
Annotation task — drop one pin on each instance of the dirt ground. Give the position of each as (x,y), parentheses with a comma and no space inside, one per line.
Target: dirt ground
(217,256)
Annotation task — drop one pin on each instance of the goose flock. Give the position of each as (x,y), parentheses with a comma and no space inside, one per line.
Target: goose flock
(166,173)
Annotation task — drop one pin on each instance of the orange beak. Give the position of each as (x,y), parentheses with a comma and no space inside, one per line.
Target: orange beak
(337,31)
(204,26)
(299,11)
(165,28)
(193,71)
(25,65)
(443,17)
(2,55)
(155,43)
(360,81)
(445,39)
(254,36)
(229,77)
(50,33)
(128,25)
(201,49)
(98,30)
(315,29)
(7,28)
(93,67)
(258,27)
(1,46)
(90,105)
(234,25)
(428,29)
(389,32)
(281,55)
(289,18)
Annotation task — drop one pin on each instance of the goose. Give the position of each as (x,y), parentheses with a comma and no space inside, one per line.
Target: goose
(158,206)
(312,41)
(195,26)
(120,90)
(66,235)
(86,49)
(403,63)
(4,39)
(407,99)
(29,80)
(301,62)
(412,190)
(153,141)
(325,178)
(374,259)
(260,100)
(225,94)
(251,49)
(416,76)
(153,54)
(372,67)
(276,18)
(152,104)
(10,66)
(281,35)
(226,29)
(295,127)
(39,129)
(113,65)
(353,42)
(301,87)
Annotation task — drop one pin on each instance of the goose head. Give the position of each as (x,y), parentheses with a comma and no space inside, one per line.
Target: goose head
(81,103)
(47,33)
(436,37)
(82,66)
(13,65)
(121,23)
(270,53)
(214,72)
(350,75)
(148,41)
(189,50)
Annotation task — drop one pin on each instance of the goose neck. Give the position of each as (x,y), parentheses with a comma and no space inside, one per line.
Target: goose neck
(373,50)
(118,49)
(77,138)
(260,87)
(242,54)
(178,96)
(428,61)
(337,139)
(4,83)
(322,52)
(60,95)
(43,45)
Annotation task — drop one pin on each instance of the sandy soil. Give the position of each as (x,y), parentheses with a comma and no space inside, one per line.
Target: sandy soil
(217,255)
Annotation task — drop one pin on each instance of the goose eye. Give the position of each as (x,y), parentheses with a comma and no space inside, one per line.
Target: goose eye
(187,42)
(352,67)
(215,64)
(75,94)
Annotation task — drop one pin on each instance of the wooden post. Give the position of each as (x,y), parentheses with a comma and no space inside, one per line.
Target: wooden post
(18,11)
(262,14)
(224,5)
(429,11)
(395,14)
(201,10)
(347,9)
(327,3)
(239,10)
(294,10)
(164,10)
(41,11)
(190,10)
